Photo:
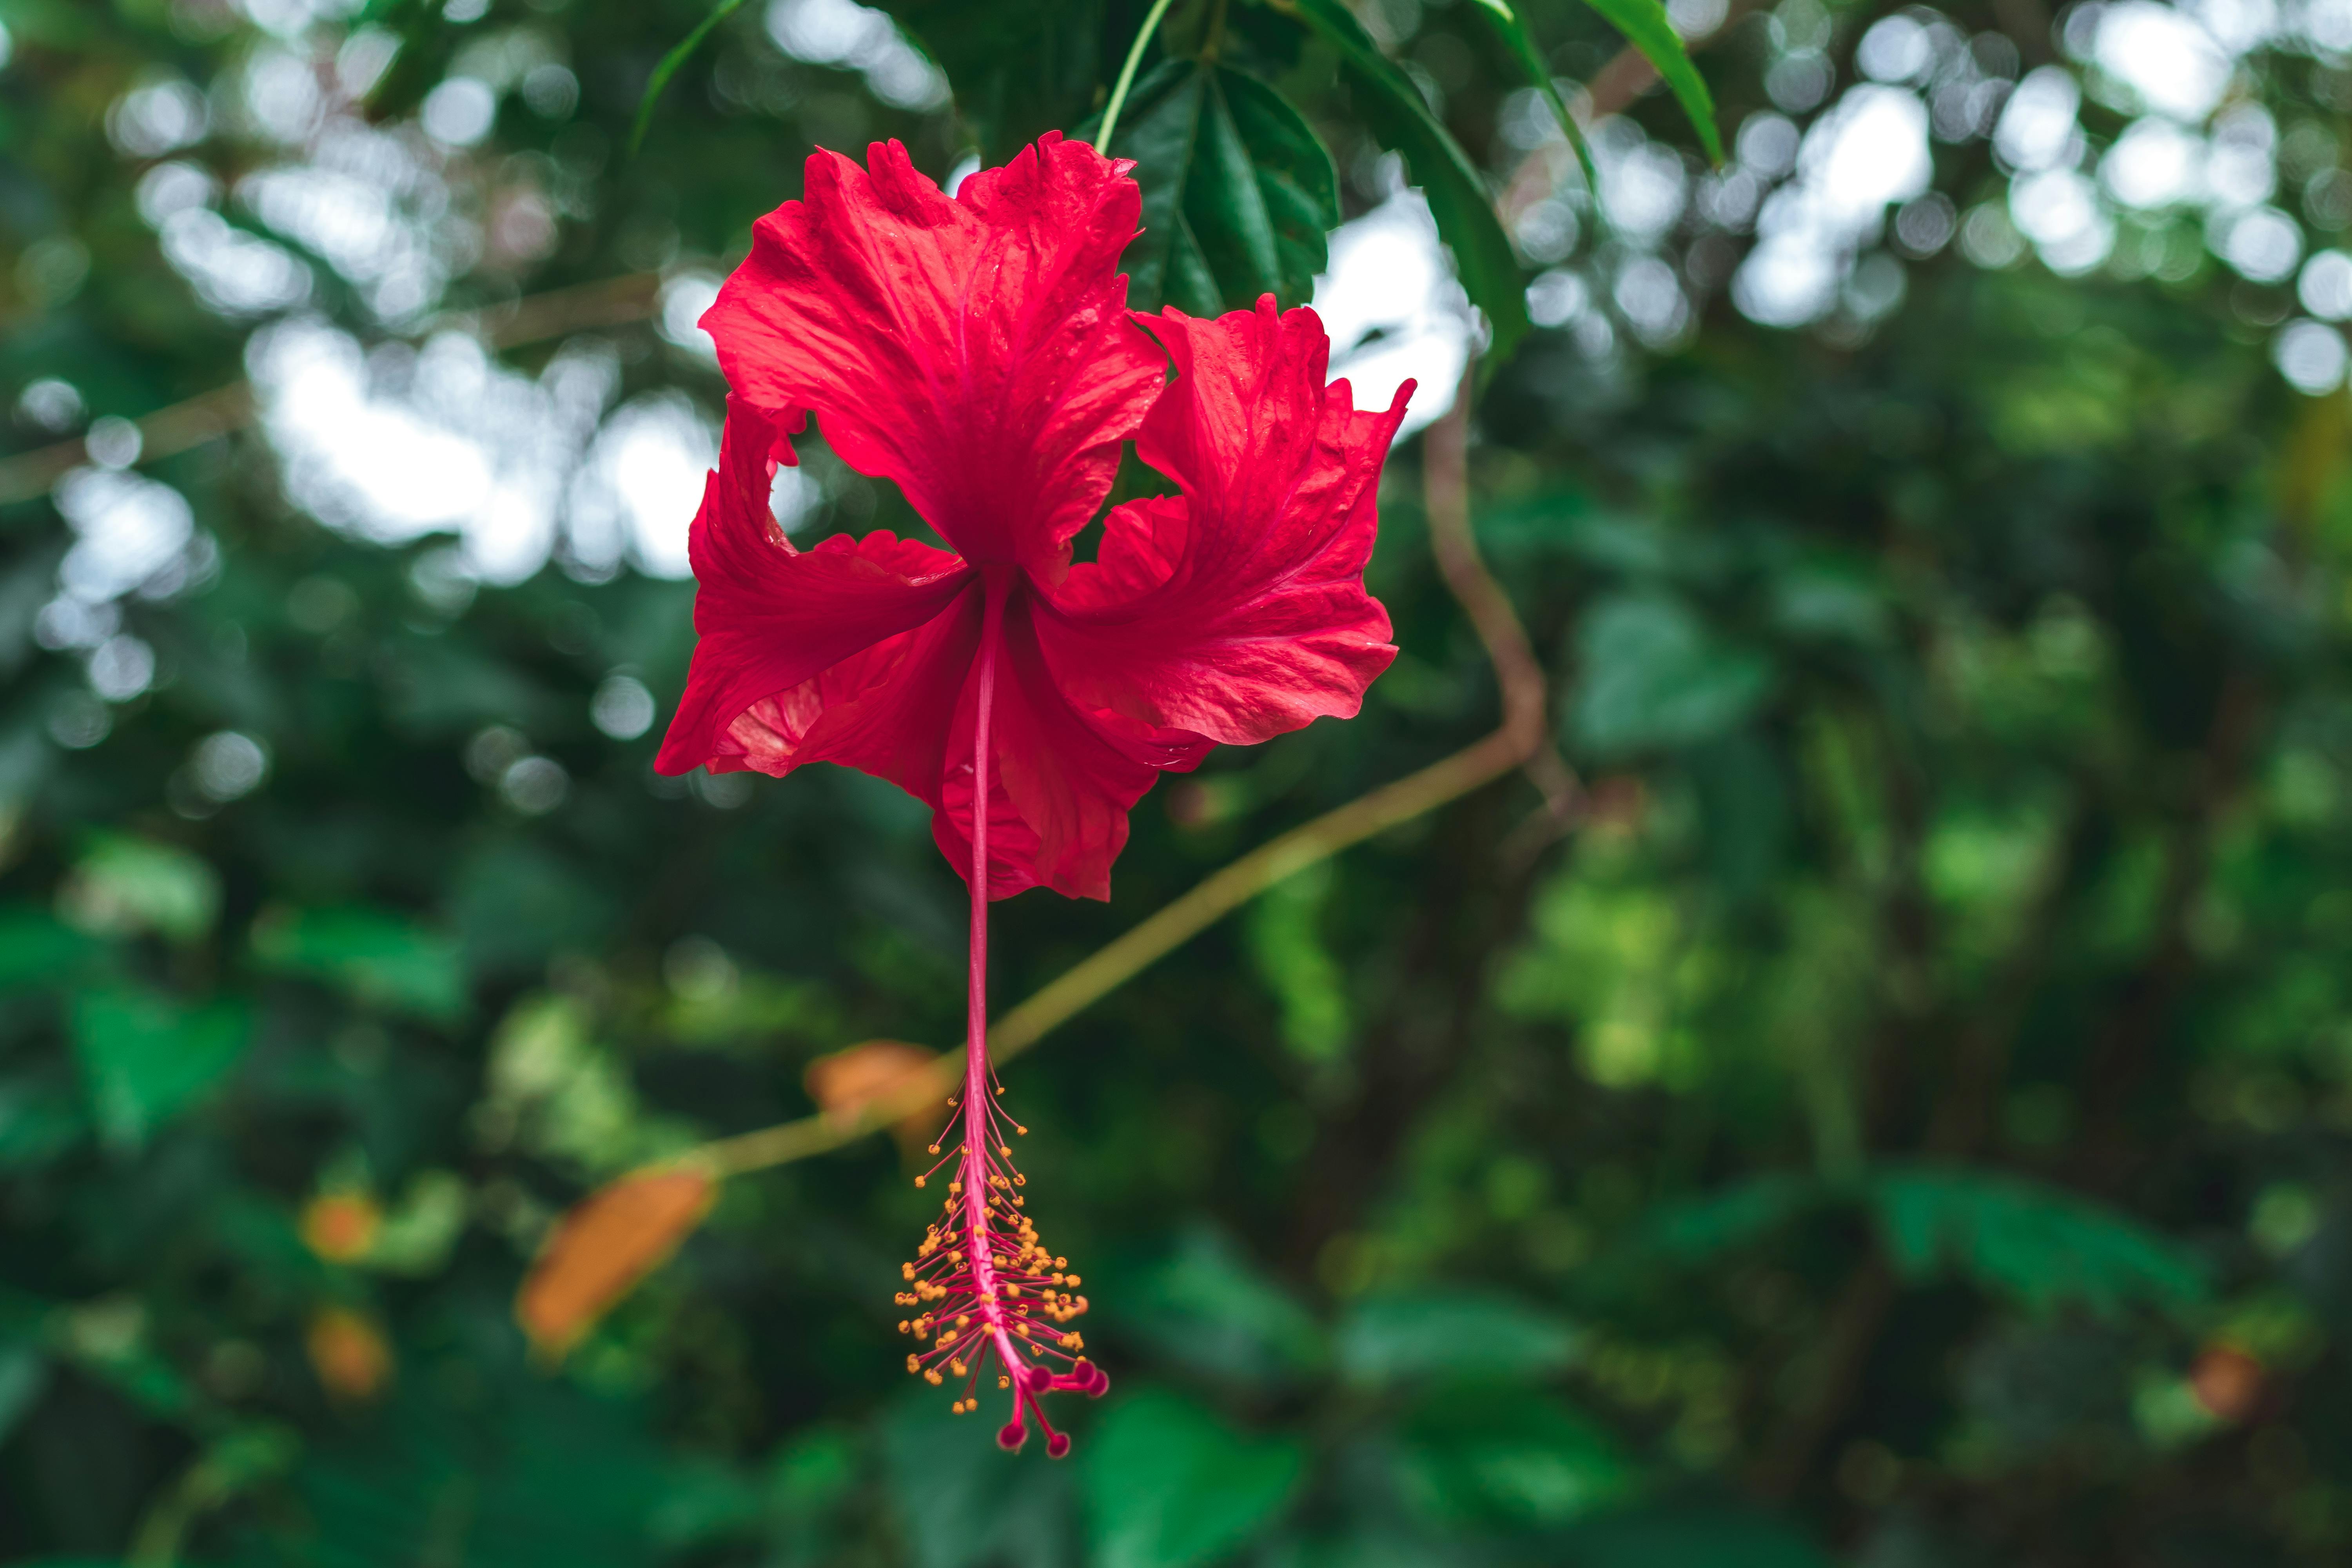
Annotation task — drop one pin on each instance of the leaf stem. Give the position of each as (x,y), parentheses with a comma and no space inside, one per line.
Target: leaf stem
(1127,74)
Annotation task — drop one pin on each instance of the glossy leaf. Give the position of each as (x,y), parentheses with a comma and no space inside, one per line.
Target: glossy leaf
(1646,27)
(1169,1485)
(1458,197)
(1238,192)
(1514,31)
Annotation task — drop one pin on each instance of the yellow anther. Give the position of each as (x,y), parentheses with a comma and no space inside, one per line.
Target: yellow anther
(933,1377)
(1004,1382)
(918,1181)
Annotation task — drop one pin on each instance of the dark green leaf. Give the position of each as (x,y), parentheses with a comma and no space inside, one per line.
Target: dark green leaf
(963,1501)
(378,958)
(1477,1457)
(1238,192)
(1514,28)
(40,1119)
(146,1058)
(1646,26)
(1696,1229)
(1458,198)
(38,951)
(1168,1485)
(2035,1244)
(1206,1307)
(1651,674)
(1392,1339)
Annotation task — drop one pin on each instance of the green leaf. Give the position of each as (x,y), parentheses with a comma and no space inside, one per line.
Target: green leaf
(40,1119)
(129,886)
(1238,192)
(1168,1485)
(1208,1310)
(1646,26)
(1651,675)
(1514,29)
(2033,1243)
(669,64)
(962,1501)
(1394,1339)
(1473,1457)
(1695,1230)
(146,1058)
(39,951)
(379,959)
(1458,198)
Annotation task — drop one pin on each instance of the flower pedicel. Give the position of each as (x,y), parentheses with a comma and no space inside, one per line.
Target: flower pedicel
(978,351)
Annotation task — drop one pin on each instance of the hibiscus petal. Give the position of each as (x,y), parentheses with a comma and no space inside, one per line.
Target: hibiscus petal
(976,349)
(771,618)
(1061,783)
(1236,610)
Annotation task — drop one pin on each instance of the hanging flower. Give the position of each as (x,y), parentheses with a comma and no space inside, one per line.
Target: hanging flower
(976,351)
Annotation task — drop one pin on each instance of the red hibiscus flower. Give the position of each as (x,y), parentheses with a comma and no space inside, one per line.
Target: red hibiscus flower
(976,351)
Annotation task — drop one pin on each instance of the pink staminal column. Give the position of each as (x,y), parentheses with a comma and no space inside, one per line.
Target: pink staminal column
(984,1282)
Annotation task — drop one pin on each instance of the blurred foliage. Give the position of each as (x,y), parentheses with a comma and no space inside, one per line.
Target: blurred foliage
(1905,1122)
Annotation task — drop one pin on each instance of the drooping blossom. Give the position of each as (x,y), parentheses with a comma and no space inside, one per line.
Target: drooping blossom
(977,352)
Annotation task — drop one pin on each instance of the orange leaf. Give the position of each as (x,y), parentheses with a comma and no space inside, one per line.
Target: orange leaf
(342,1227)
(597,1253)
(349,1353)
(844,1083)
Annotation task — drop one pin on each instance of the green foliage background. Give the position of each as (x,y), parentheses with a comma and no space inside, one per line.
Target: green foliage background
(1903,1122)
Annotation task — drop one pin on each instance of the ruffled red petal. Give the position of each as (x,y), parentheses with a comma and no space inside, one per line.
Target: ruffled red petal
(773,619)
(976,349)
(1061,781)
(1236,610)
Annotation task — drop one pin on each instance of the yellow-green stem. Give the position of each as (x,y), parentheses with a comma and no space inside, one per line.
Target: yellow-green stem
(1127,75)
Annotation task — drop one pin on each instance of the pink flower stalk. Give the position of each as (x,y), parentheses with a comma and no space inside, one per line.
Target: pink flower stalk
(978,351)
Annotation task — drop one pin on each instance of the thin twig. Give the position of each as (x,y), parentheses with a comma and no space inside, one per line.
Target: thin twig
(1445,491)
